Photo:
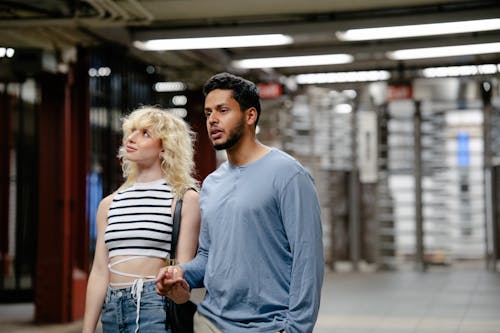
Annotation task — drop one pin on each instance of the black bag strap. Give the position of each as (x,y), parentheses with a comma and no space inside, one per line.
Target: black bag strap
(176,227)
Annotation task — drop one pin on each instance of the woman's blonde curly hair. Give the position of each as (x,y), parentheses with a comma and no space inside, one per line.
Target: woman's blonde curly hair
(177,140)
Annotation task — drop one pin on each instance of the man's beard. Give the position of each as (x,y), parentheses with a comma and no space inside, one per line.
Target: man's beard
(234,136)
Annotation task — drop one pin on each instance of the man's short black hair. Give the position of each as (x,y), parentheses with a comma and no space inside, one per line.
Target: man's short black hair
(245,92)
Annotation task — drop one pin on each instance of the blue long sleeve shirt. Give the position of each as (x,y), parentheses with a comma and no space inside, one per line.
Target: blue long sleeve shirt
(260,253)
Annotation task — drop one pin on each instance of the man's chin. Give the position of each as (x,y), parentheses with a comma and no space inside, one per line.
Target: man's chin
(227,144)
(223,145)
(220,146)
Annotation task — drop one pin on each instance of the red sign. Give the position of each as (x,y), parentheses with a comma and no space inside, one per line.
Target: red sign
(270,90)
(399,92)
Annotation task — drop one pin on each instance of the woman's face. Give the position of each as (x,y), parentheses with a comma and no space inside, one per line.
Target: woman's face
(142,148)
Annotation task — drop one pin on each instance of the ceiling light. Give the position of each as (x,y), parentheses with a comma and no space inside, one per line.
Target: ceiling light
(169,86)
(469,70)
(338,77)
(444,51)
(179,100)
(213,42)
(6,52)
(179,112)
(297,61)
(343,108)
(101,71)
(419,30)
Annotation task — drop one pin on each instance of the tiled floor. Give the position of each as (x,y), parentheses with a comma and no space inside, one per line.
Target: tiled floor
(443,299)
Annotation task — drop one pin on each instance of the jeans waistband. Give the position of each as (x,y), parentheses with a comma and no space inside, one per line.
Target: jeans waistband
(126,292)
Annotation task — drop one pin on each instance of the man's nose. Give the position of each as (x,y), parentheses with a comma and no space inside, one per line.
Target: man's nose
(212,119)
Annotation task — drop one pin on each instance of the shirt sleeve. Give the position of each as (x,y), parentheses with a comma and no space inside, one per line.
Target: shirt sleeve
(302,220)
(194,270)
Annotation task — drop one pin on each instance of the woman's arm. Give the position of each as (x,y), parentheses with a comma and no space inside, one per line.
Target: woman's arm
(99,275)
(169,281)
(189,231)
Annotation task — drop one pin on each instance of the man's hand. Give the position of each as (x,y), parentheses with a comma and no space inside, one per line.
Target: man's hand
(170,283)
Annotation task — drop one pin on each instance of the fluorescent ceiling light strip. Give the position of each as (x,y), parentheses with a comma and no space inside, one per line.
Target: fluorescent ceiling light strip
(444,51)
(213,42)
(338,77)
(313,60)
(469,70)
(417,30)
(169,86)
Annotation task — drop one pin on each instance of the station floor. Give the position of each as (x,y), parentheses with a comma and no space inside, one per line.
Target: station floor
(458,299)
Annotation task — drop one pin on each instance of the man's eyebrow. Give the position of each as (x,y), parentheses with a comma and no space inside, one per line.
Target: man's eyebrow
(218,106)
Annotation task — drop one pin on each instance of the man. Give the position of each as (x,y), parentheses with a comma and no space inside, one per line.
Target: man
(260,253)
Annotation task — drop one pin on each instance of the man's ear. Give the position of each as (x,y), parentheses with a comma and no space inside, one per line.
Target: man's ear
(251,116)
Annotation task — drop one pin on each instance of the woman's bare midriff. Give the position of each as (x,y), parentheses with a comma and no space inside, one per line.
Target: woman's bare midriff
(141,266)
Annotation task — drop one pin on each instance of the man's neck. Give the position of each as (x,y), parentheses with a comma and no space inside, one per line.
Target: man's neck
(246,152)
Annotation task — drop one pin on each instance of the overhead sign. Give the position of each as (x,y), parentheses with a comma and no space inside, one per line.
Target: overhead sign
(270,90)
(399,92)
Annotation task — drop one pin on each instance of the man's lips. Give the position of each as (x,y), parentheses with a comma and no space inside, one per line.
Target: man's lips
(215,134)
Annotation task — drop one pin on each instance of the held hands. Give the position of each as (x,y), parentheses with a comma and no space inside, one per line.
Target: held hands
(170,283)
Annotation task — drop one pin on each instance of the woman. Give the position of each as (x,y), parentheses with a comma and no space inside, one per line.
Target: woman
(135,224)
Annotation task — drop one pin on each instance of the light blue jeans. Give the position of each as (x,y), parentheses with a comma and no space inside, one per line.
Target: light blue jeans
(119,311)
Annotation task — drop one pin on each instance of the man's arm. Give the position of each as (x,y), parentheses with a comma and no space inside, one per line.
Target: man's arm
(302,220)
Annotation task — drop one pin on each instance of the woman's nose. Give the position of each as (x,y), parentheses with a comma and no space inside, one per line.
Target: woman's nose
(131,136)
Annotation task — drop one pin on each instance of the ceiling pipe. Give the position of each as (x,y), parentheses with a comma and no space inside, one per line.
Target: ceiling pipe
(146,14)
(113,7)
(101,11)
(111,14)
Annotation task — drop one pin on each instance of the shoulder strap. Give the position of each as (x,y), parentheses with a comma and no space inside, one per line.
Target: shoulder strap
(175,227)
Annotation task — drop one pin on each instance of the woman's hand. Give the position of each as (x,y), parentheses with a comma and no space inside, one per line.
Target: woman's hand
(170,283)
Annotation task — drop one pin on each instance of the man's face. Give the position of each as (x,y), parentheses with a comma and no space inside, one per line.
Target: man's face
(225,119)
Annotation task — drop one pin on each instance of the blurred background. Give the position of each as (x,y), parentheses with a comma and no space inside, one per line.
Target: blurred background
(394,107)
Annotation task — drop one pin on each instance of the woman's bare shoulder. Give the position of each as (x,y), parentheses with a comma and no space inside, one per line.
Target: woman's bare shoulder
(191,195)
(106,202)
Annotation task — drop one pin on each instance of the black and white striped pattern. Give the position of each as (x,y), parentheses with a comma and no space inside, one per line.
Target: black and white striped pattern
(140,221)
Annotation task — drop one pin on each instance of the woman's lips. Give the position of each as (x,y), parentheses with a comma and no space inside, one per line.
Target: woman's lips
(130,149)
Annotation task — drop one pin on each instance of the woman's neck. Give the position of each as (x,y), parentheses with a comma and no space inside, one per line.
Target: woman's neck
(148,175)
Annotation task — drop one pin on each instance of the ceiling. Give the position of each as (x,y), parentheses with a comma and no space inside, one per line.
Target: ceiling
(58,25)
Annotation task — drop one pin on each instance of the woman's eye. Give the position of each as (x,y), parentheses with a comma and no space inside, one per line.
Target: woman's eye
(146,133)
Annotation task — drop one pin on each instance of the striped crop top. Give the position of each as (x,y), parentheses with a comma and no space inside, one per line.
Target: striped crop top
(140,221)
